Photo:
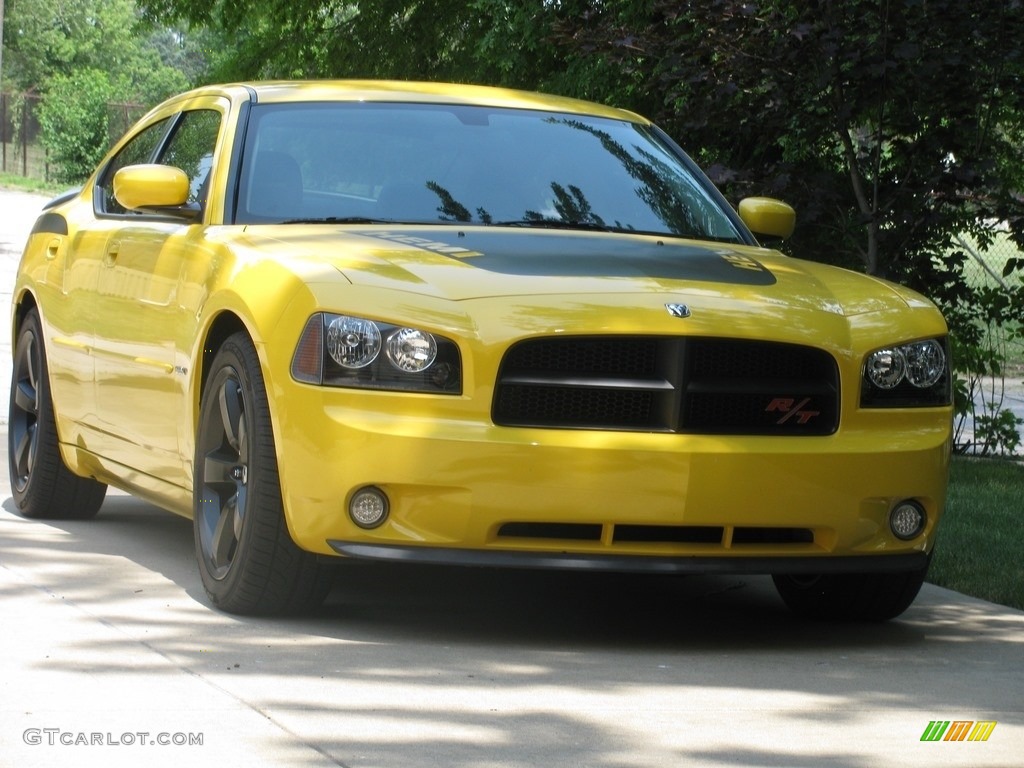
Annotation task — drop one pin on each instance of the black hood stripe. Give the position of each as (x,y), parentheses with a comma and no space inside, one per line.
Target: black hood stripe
(543,255)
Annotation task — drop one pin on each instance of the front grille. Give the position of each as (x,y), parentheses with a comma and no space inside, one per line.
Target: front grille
(684,385)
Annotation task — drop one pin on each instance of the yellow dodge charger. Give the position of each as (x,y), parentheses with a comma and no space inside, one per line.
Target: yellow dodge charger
(462,325)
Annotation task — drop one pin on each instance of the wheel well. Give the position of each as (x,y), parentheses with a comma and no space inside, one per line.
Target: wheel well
(225,325)
(26,305)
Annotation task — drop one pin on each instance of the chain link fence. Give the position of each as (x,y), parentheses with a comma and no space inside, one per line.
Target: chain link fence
(22,151)
(994,423)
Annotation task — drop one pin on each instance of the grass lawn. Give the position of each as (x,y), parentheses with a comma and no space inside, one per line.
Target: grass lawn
(980,547)
(27,184)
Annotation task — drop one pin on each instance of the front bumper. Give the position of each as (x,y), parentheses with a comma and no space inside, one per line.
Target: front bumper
(465,491)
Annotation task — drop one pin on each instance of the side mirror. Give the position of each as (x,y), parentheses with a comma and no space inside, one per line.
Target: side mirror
(158,189)
(768,217)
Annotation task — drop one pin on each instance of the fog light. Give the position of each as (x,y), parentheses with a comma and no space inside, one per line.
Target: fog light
(907,520)
(368,507)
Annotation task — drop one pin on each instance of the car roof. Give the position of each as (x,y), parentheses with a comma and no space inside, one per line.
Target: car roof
(284,91)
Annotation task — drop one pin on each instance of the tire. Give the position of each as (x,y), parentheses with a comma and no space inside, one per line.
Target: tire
(851,596)
(247,559)
(42,485)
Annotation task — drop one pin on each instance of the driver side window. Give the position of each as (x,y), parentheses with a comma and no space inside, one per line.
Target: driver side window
(138,150)
(191,149)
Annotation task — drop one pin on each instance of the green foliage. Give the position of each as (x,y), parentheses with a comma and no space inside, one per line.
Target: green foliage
(49,38)
(998,431)
(881,122)
(74,122)
(77,51)
(44,38)
(428,39)
(981,329)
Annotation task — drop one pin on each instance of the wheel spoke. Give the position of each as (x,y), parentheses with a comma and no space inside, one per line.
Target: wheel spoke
(218,469)
(231,411)
(243,443)
(26,397)
(225,537)
(24,452)
(30,363)
(239,510)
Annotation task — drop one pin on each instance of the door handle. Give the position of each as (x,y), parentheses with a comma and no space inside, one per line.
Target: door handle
(53,248)
(111,255)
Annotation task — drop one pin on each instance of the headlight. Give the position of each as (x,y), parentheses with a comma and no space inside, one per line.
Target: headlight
(411,350)
(907,375)
(886,368)
(353,343)
(345,351)
(926,363)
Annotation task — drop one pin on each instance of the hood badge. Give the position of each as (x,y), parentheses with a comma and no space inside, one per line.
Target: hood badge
(678,310)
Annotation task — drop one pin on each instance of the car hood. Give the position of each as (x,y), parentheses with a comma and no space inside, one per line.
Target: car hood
(461,264)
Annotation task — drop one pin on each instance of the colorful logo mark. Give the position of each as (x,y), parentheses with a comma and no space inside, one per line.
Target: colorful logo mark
(958,730)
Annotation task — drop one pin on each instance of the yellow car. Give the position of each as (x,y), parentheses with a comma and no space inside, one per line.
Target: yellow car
(463,325)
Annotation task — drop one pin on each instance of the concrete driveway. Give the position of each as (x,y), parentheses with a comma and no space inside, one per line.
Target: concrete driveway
(108,648)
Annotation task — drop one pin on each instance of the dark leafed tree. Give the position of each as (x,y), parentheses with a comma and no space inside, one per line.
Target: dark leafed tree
(889,124)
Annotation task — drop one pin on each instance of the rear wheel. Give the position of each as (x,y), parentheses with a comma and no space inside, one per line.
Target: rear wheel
(41,483)
(851,596)
(247,559)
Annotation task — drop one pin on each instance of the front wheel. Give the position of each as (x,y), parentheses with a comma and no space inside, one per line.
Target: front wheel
(247,559)
(41,483)
(851,596)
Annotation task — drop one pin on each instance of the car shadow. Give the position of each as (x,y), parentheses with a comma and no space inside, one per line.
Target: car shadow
(401,646)
(397,601)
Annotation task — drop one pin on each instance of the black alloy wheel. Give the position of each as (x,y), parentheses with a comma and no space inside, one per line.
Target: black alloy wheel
(41,483)
(247,559)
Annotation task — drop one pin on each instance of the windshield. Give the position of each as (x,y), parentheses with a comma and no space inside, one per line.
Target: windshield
(413,163)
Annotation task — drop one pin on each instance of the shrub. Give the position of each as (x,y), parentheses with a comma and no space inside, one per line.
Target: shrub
(74,123)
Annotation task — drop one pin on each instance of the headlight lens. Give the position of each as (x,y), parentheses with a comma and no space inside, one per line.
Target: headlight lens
(352,342)
(926,363)
(344,351)
(907,375)
(412,350)
(886,368)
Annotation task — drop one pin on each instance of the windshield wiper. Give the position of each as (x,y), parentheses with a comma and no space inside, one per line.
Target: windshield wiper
(588,226)
(339,220)
(367,220)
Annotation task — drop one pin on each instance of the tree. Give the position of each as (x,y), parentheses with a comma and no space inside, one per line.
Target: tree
(82,54)
(47,38)
(74,122)
(324,38)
